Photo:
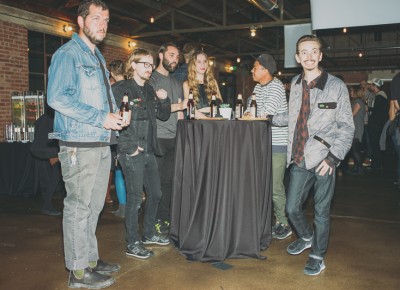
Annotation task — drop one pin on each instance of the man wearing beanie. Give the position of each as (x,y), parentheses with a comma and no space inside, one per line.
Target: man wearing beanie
(271,100)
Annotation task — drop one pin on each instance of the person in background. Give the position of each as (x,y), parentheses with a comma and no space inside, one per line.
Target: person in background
(85,119)
(376,121)
(271,100)
(47,163)
(393,111)
(369,100)
(137,147)
(359,108)
(168,54)
(117,73)
(321,130)
(201,83)
(181,73)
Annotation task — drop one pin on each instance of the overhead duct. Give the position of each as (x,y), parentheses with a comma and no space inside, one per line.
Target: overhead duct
(265,5)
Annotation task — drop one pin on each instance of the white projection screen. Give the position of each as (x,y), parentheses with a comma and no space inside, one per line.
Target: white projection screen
(292,34)
(327,14)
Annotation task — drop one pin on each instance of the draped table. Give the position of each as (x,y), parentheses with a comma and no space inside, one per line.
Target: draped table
(17,167)
(221,199)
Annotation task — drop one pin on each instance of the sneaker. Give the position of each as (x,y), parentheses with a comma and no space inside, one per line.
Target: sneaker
(367,162)
(90,280)
(137,250)
(299,245)
(282,231)
(106,268)
(314,266)
(156,240)
(162,227)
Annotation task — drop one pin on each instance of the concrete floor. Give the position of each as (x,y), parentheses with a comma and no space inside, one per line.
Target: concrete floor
(363,252)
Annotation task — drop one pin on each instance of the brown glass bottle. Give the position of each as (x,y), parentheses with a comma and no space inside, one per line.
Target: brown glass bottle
(124,109)
(239,107)
(190,107)
(253,106)
(213,106)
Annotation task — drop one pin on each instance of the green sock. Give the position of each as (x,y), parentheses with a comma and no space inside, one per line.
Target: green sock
(79,273)
(92,264)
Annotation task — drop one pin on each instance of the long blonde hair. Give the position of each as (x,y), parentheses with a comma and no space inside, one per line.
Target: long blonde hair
(210,84)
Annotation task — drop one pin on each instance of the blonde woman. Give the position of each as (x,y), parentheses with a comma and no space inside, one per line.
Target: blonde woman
(202,83)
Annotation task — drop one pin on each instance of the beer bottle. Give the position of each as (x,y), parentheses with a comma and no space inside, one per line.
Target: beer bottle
(190,107)
(124,109)
(253,106)
(239,107)
(213,106)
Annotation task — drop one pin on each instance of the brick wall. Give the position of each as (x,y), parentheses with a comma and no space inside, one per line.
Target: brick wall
(13,67)
(14,70)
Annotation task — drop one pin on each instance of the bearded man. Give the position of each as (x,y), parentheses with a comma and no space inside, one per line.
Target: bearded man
(168,55)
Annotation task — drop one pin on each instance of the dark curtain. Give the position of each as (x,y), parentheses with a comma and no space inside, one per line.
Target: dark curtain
(17,168)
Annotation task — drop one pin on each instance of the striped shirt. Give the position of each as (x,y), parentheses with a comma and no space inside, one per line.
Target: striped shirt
(271,100)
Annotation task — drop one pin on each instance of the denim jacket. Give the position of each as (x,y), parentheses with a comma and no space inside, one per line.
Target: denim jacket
(330,123)
(77,92)
(136,133)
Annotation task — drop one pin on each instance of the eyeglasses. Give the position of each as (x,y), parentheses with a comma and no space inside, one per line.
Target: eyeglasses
(314,52)
(147,64)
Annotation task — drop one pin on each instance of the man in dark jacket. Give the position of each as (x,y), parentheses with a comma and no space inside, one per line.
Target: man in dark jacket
(47,164)
(376,121)
(137,145)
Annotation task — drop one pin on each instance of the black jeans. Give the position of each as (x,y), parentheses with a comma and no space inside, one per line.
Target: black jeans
(140,170)
(166,169)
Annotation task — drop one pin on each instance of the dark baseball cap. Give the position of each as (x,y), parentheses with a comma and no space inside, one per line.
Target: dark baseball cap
(268,62)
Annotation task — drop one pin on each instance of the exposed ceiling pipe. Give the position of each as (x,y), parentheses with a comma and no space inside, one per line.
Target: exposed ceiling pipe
(266,6)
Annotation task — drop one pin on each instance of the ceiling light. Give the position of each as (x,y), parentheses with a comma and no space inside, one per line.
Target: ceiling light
(360,54)
(151,19)
(253,31)
(131,44)
(238,60)
(344,29)
(67,28)
(210,62)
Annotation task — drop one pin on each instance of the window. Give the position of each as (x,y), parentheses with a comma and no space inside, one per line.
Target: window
(41,48)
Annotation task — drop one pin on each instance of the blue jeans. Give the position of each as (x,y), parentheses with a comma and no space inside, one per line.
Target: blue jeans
(86,182)
(140,170)
(301,181)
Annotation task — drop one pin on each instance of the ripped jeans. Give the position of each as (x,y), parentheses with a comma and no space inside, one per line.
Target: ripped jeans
(85,172)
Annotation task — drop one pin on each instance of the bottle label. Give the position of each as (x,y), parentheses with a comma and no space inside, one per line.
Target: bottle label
(239,111)
(125,117)
(253,112)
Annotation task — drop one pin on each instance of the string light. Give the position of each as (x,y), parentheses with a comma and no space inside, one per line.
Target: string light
(344,29)
(360,54)
(151,19)
(67,28)
(238,60)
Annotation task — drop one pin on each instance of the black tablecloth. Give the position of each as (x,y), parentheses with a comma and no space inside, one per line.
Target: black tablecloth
(221,201)
(17,168)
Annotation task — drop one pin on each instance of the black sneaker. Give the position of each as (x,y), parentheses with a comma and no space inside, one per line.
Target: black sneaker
(156,240)
(90,280)
(106,268)
(314,266)
(282,232)
(137,250)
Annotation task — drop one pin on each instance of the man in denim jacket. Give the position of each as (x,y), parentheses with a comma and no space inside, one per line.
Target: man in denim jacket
(321,131)
(79,91)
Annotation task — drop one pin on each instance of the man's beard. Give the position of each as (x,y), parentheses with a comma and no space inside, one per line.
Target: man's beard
(91,36)
(168,66)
